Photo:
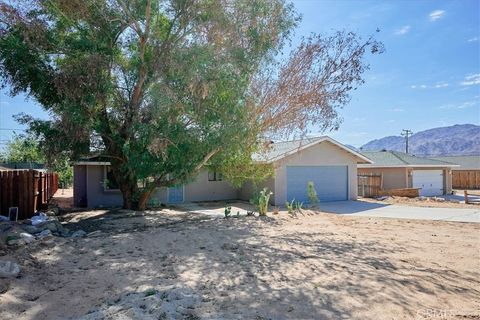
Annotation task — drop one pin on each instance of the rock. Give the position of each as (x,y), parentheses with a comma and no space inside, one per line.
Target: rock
(9,269)
(230,246)
(3,218)
(5,226)
(44,234)
(4,286)
(39,220)
(27,237)
(52,226)
(33,229)
(94,233)
(16,242)
(78,234)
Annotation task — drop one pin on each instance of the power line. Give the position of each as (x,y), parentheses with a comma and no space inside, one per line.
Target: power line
(406,133)
(11,129)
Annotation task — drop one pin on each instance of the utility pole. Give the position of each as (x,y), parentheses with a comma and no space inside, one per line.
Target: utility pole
(406,133)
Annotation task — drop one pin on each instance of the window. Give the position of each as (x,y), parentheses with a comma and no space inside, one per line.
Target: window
(214,176)
(110,183)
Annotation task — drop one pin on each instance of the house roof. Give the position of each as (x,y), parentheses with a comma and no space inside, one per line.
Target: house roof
(401,159)
(275,151)
(93,160)
(465,162)
(279,150)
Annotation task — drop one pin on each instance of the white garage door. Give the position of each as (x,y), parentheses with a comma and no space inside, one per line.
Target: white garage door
(430,182)
(331,182)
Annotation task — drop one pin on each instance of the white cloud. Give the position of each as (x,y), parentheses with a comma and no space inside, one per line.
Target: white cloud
(473,39)
(466,104)
(437,14)
(471,80)
(4,103)
(390,121)
(424,86)
(403,30)
(397,109)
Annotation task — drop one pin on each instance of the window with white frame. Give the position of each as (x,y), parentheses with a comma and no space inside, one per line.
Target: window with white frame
(109,181)
(214,176)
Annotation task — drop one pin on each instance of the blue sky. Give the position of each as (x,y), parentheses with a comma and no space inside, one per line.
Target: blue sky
(429,75)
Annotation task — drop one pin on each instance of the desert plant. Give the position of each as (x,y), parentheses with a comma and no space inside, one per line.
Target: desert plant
(263,199)
(228,211)
(289,206)
(294,206)
(298,206)
(312,194)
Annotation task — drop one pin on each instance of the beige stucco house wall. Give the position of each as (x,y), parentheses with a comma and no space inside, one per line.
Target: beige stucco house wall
(393,178)
(321,151)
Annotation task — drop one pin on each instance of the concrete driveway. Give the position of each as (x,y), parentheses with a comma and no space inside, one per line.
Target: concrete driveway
(366,209)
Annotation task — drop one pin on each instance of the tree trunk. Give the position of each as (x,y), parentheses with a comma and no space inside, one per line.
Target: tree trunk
(129,190)
(142,201)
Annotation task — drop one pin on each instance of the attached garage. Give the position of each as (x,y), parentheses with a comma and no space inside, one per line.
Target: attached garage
(331,182)
(430,182)
(331,166)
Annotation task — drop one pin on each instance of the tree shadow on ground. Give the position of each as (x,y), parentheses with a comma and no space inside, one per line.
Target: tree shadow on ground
(246,268)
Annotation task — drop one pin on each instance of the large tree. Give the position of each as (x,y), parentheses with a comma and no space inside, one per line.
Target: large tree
(163,88)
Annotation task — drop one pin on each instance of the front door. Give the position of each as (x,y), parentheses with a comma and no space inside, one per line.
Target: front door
(175,194)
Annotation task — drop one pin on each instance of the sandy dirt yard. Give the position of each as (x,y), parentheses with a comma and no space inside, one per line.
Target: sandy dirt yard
(173,264)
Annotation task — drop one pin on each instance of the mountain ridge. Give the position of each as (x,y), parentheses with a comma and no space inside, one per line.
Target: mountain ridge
(459,139)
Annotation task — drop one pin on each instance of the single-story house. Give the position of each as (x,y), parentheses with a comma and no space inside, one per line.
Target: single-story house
(467,174)
(329,164)
(400,170)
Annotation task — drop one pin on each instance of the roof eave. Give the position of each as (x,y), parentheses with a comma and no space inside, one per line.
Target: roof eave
(409,166)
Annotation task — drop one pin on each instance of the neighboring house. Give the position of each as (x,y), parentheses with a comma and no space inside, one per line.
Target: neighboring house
(467,175)
(329,164)
(401,170)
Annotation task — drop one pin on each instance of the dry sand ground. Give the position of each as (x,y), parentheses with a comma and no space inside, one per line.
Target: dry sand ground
(176,265)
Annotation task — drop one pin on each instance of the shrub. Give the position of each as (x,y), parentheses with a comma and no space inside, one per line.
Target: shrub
(312,194)
(228,211)
(263,199)
(294,206)
(289,206)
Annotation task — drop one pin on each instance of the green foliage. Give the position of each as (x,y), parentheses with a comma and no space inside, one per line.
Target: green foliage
(263,201)
(290,206)
(294,206)
(23,149)
(312,194)
(228,211)
(298,206)
(27,148)
(150,292)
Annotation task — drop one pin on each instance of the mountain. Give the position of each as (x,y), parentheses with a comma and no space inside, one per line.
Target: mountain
(460,139)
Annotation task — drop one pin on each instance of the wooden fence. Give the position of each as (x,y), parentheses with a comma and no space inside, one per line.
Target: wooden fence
(466,179)
(29,190)
(370,185)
